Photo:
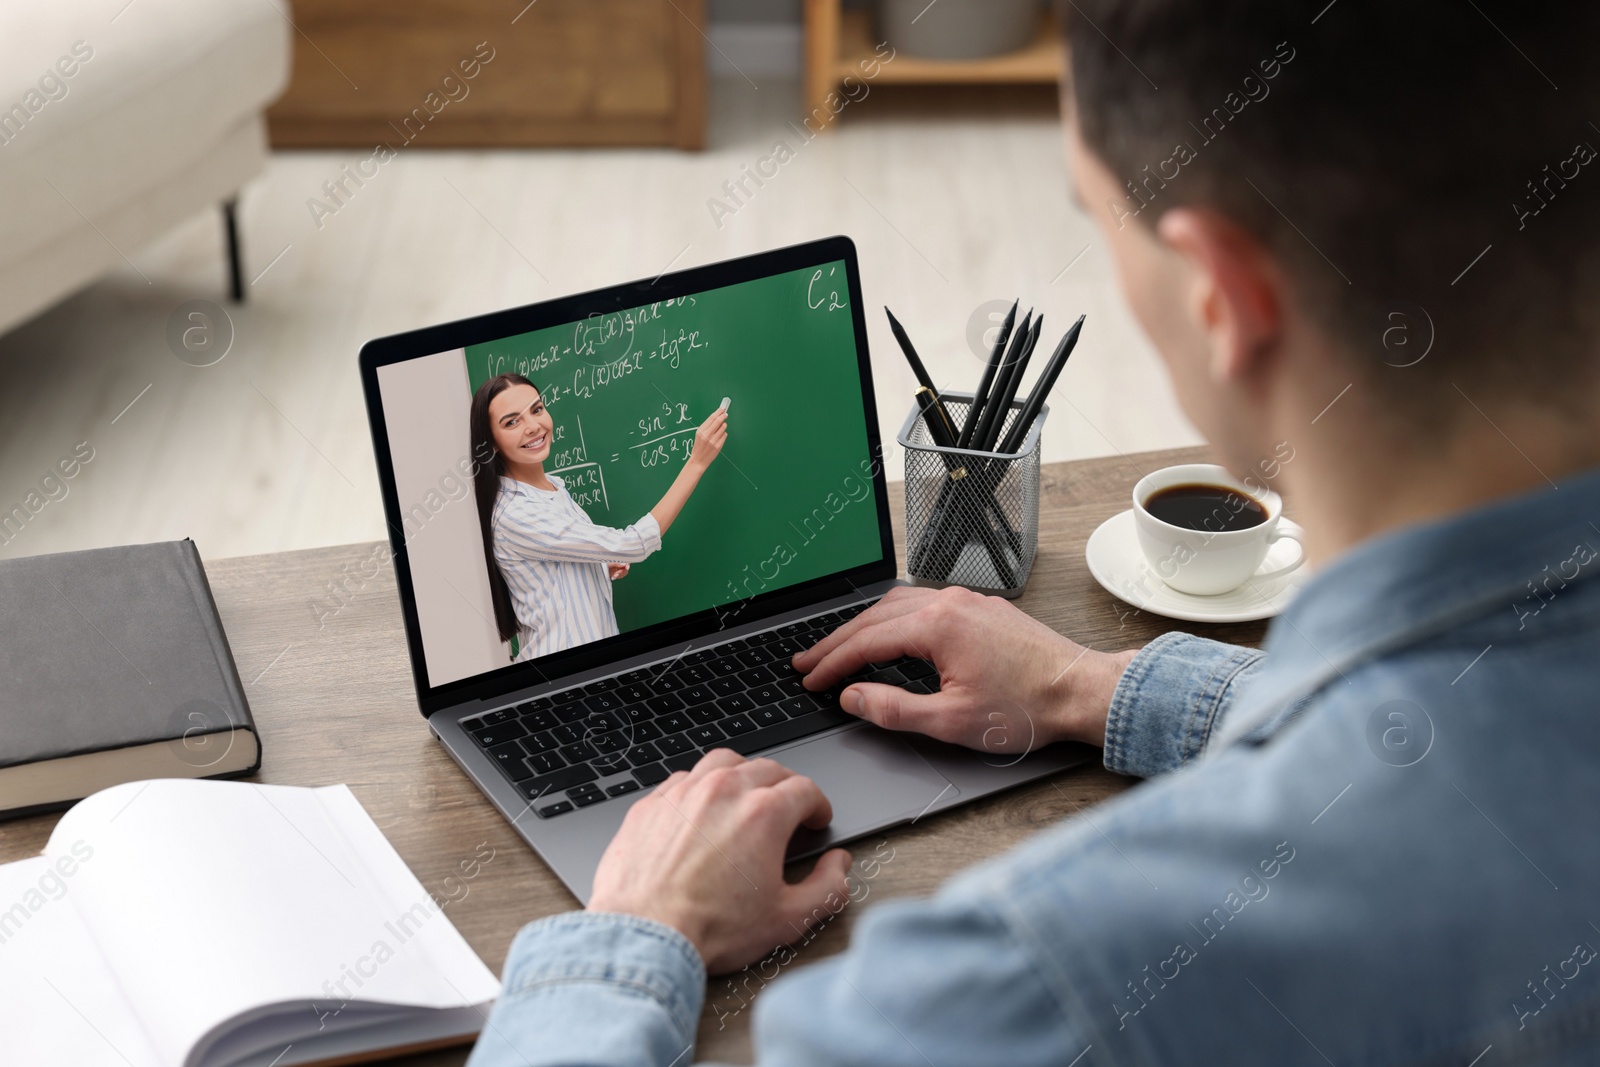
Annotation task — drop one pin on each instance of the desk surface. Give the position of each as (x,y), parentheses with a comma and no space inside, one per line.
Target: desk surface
(334,703)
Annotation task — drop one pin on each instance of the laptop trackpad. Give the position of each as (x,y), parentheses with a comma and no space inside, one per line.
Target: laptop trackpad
(873,780)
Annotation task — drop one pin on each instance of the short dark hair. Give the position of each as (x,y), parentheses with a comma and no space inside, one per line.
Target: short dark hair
(1377,149)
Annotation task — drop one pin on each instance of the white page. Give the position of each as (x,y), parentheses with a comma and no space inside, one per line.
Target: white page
(58,1001)
(209,899)
(427,931)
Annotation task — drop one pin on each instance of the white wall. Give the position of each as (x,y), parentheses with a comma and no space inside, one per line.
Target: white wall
(425,404)
(753,11)
(754,38)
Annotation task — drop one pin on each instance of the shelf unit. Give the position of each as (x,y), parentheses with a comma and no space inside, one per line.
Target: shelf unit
(839,41)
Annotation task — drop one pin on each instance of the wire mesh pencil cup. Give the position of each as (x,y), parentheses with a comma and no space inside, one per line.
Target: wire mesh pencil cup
(972,518)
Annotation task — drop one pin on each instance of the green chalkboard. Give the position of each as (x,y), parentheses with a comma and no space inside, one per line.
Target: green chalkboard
(791,498)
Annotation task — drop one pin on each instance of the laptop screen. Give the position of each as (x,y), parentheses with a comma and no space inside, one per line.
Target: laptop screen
(529,469)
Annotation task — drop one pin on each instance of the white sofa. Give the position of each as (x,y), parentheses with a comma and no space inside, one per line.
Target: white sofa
(118,120)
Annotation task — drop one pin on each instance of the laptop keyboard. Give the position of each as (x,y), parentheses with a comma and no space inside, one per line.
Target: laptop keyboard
(618,735)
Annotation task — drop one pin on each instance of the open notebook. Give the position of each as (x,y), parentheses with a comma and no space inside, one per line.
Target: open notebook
(226,924)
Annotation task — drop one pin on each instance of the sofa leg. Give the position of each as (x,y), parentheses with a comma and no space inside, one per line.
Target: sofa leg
(235,268)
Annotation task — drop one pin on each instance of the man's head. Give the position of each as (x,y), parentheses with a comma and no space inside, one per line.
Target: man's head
(1304,196)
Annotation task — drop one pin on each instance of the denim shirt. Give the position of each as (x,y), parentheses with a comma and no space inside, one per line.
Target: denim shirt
(1372,843)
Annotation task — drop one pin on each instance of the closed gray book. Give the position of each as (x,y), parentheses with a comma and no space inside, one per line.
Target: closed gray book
(114,668)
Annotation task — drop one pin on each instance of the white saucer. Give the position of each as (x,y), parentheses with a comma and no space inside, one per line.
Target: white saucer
(1117,564)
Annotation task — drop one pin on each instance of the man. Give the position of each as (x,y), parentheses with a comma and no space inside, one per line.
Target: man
(1371,232)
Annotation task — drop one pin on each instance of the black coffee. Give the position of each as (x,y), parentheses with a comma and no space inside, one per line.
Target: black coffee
(1210,508)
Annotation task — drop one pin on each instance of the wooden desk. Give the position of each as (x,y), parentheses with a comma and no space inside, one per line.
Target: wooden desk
(335,704)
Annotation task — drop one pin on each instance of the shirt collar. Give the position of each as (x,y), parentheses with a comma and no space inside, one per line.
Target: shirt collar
(1411,584)
(512,485)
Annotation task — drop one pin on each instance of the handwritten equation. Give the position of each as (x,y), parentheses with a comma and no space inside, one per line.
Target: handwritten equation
(664,435)
(822,291)
(583,476)
(667,437)
(603,349)
(584,359)
(587,485)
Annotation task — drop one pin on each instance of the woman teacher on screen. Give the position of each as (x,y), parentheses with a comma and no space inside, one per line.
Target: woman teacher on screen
(550,567)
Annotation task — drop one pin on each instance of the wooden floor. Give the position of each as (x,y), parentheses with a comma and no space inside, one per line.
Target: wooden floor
(953,199)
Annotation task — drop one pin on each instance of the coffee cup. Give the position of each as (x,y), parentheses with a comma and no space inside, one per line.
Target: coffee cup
(1204,532)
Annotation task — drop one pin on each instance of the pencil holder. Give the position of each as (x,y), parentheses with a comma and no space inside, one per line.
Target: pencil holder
(972,518)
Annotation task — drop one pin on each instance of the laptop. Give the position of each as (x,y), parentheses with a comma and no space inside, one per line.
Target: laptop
(785,537)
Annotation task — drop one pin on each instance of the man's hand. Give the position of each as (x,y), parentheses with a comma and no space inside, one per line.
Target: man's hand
(617,570)
(1008,683)
(704,855)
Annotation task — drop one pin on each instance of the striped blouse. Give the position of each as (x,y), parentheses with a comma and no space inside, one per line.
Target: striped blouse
(554,560)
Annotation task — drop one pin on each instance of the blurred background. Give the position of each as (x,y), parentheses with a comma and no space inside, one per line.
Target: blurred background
(387,166)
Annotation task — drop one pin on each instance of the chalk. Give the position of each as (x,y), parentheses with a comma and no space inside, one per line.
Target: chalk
(725,402)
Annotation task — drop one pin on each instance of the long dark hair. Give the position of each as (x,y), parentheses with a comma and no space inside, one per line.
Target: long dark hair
(488,467)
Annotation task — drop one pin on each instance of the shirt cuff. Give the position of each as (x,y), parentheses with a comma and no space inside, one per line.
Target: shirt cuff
(595,987)
(1172,695)
(649,531)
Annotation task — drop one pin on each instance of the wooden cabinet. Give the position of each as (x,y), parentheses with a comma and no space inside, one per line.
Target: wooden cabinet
(494,72)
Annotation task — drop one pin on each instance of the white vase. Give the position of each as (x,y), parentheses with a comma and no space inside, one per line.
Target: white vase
(958,29)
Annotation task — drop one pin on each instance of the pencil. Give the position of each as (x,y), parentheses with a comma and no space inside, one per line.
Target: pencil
(1030,411)
(976,407)
(921,372)
(1007,363)
(1001,402)
(912,358)
(999,406)
(933,538)
(1041,388)
(947,551)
